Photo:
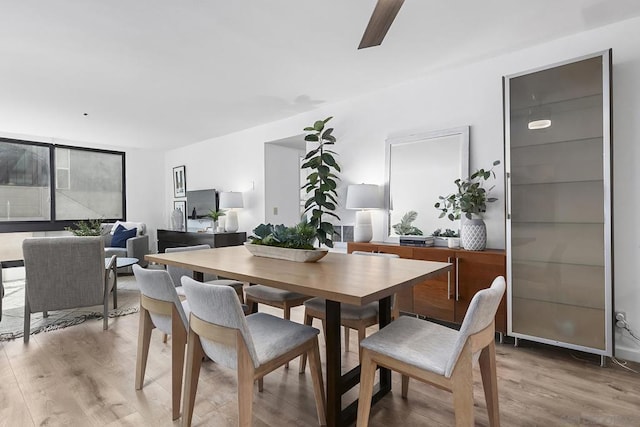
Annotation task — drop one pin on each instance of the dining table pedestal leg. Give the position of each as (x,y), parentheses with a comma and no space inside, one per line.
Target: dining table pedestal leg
(338,384)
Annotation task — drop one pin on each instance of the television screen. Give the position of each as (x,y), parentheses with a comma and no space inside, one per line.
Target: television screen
(200,202)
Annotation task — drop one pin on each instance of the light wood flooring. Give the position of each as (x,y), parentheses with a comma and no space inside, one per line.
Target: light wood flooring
(84,376)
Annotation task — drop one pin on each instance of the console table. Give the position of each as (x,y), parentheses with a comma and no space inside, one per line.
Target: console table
(447,296)
(172,239)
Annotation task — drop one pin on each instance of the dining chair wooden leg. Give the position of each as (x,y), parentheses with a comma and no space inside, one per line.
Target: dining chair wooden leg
(362,334)
(192,374)
(308,320)
(178,342)
(245,386)
(164,338)
(405,386)
(462,389)
(240,295)
(318,387)
(145,326)
(287,315)
(367,376)
(490,382)
(346,339)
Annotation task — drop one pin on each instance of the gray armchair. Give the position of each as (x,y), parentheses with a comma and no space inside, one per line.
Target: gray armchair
(63,273)
(137,247)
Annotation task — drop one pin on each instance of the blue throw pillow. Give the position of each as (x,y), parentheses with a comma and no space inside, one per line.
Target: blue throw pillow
(121,235)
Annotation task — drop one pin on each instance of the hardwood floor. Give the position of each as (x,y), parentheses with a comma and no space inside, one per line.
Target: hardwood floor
(84,376)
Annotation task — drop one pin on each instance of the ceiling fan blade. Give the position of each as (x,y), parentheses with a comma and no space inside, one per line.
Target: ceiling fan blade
(383,15)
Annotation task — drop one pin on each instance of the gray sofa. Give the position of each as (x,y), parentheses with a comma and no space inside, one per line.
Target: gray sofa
(137,247)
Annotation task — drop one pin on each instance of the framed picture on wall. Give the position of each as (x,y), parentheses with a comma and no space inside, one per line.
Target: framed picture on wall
(179,182)
(180,205)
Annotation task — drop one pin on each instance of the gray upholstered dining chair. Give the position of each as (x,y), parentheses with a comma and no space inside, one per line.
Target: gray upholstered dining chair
(253,345)
(161,308)
(439,355)
(351,316)
(65,272)
(176,273)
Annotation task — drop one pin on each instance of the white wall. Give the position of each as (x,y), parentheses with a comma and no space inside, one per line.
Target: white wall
(468,95)
(282,184)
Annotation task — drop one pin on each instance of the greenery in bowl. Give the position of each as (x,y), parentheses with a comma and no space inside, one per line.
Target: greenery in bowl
(90,227)
(471,197)
(446,233)
(300,236)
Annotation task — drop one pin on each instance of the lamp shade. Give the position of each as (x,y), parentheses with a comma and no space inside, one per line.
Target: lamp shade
(231,199)
(363,196)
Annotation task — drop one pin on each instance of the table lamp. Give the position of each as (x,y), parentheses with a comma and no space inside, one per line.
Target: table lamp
(231,200)
(362,197)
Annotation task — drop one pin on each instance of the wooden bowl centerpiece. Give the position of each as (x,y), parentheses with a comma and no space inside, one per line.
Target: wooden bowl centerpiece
(288,243)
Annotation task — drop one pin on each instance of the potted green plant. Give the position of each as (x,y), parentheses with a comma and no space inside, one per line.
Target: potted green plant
(470,199)
(291,243)
(215,216)
(404,227)
(322,181)
(90,227)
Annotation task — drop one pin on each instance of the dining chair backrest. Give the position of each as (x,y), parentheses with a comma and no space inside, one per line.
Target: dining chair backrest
(158,285)
(177,272)
(480,314)
(219,305)
(63,272)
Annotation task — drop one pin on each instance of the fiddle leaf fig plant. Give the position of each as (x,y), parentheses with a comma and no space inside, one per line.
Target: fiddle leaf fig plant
(322,181)
(471,197)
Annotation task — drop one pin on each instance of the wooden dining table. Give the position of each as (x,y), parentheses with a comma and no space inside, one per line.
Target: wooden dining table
(339,278)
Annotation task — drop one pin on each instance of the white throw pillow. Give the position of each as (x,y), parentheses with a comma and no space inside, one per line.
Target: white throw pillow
(129,225)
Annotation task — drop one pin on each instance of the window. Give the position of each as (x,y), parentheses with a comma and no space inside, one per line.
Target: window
(87,184)
(24,182)
(92,184)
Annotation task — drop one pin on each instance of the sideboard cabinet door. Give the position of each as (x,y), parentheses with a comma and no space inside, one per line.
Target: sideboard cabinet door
(435,298)
(476,271)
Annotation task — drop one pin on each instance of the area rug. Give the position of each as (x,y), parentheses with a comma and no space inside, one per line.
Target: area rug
(12,323)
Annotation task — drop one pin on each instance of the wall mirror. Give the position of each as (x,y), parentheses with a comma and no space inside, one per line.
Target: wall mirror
(420,167)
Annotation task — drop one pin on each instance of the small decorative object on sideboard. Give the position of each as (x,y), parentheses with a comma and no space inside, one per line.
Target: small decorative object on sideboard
(282,242)
(442,238)
(470,199)
(215,216)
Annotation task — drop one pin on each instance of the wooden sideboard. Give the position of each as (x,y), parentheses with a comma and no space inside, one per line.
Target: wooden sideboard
(447,297)
(172,239)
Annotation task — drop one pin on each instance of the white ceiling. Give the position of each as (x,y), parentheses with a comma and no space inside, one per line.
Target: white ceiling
(163,73)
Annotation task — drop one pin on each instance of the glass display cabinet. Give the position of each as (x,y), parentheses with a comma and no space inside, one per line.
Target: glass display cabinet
(559,207)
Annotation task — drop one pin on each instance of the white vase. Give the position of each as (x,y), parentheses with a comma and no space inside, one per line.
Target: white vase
(177,220)
(473,235)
